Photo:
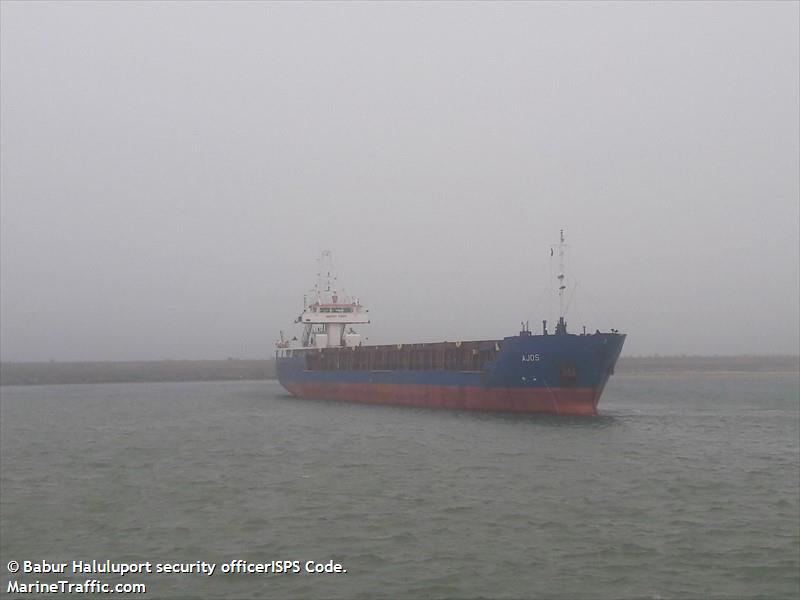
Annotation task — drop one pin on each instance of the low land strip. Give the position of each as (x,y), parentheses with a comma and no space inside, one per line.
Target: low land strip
(48,373)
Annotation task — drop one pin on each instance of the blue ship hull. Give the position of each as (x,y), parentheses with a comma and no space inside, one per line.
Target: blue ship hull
(561,373)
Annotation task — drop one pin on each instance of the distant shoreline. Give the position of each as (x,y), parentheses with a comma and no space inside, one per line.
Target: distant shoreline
(61,373)
(670,373)
(64,373)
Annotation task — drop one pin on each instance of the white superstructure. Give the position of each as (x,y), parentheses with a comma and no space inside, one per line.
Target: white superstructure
(329,313)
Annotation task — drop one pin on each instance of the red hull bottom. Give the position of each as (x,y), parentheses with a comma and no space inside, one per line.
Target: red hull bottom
(559,401)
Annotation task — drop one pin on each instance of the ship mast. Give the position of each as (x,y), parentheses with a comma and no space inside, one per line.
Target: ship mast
(561,248)
(561,277)
(325,274)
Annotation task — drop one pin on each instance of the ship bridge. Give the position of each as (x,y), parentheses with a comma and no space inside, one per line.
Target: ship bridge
(351,313)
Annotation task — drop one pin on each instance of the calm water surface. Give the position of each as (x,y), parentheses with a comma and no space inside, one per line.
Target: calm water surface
(685,487)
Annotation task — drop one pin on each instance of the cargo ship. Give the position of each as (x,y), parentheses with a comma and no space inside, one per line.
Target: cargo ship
(553,372)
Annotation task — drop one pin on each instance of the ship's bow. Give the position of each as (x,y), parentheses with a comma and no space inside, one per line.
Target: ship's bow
(559,374)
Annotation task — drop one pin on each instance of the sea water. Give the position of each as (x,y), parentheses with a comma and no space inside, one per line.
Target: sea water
(686,486)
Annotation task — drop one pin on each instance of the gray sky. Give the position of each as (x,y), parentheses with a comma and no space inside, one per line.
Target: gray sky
(170,172)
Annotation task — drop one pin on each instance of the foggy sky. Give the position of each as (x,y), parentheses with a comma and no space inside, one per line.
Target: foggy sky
(170,172)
